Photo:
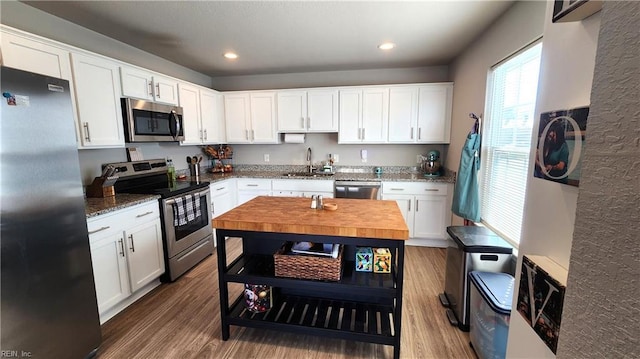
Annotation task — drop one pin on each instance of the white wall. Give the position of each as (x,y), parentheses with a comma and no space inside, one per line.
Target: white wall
(568,60)
(519,25)
(333,78)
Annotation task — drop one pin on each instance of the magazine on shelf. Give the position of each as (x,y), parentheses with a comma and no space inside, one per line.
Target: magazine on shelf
(320,249)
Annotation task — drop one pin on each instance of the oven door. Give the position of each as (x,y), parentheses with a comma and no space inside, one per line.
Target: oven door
(151,122)
(180,237)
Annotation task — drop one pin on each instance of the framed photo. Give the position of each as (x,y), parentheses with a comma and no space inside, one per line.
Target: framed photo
(561,138)
(574,10)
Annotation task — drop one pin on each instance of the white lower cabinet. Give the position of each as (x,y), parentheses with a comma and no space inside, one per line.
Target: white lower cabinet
(223,199)
(127,256)
(250,188)
(302,188)
(426,207)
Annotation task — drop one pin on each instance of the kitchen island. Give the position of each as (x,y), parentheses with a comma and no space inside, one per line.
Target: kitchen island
(361,306)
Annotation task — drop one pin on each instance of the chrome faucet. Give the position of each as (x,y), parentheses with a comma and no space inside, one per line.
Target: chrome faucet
(309,166)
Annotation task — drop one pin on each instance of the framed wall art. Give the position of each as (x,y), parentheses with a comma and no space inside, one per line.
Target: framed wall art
(574,10)
(561,138)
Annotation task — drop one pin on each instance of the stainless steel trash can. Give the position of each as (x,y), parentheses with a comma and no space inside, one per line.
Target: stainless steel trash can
(472,248)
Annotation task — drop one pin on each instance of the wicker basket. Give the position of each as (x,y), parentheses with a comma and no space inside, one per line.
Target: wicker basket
(307,266)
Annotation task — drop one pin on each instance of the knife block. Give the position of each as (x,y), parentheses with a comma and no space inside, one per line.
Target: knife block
(102,187)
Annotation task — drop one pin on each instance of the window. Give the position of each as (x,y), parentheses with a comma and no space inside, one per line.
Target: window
(506,141)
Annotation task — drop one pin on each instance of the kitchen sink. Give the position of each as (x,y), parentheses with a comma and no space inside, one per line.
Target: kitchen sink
(308,174)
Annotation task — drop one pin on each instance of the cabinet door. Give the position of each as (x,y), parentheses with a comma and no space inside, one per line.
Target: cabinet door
(109,270)
(165,90)
(434,113)
(375,115)
(406,206)
(237,117)
(263,117)
(350,115)
(34,56)
(221,203)
(136,83)
(190,102)
(97,90)
(403,114)
(144,253)
(212,117)
(246,196)
(431,213)
(322,111)
(292,111)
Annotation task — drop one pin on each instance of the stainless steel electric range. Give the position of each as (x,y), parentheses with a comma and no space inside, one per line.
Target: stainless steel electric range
(184,210)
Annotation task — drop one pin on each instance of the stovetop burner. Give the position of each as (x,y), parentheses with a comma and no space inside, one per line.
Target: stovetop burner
(150,177)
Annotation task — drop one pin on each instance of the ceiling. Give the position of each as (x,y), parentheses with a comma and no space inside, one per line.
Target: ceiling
(287,36)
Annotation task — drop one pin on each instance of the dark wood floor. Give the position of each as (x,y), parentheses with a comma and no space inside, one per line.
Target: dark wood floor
(182,320)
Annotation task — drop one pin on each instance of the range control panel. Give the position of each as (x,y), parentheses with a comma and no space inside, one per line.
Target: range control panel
(137,168)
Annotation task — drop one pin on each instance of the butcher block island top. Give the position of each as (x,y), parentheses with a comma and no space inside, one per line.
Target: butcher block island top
(353,218)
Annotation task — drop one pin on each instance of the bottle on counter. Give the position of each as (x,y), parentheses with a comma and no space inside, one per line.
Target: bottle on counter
(171,171)
(314,202)
(319,204)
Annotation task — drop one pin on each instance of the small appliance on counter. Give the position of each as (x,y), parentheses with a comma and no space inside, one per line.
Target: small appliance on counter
(430,165)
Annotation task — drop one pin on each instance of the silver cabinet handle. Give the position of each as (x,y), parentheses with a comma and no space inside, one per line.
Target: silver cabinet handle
(246,133)
(87,136)
(396,189)
(150,89)
(360,133)
(308,122)
(253,135)
(99,230)
(252,185)
(144,214)
(419,133)
(412,133)
(201,135)
(417,210)
(220,189)
(363,132)
(133,248)
(302,122)
(205,134)
(121,241)
(431,190)
(158,90)
(213,208)
(409,206)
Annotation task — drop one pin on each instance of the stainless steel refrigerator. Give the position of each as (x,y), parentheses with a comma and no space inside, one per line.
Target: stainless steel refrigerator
(49,307)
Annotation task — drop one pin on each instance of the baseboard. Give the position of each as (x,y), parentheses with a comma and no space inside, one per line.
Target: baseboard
(426,242)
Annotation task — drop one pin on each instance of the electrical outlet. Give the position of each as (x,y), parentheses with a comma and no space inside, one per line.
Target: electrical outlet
(266,157)
(336,158)
(418,158)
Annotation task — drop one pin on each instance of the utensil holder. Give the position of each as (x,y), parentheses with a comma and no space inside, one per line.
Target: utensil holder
(194,170)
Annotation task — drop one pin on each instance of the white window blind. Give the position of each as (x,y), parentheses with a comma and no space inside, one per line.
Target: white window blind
(506,141)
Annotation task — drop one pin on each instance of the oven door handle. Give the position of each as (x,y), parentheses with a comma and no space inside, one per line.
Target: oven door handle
(172,201)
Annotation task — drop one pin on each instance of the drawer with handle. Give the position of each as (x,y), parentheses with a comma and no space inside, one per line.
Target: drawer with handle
(415,188)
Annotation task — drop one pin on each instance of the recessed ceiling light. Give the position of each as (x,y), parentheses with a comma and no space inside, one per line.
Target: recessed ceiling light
(387,46)
(231,55)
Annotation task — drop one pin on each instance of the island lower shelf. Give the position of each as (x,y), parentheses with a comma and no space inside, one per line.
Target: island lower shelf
(320,316)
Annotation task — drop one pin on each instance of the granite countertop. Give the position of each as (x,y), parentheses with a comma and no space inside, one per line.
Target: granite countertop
(449,177)
(97,206)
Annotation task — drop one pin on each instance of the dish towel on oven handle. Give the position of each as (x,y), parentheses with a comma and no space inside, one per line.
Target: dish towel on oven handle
(186,209)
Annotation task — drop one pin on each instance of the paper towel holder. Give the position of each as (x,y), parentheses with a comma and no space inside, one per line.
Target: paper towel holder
(294,137)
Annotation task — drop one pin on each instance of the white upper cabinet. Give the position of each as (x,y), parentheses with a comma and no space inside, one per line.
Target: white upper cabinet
(250,117)
(34,56)
(202,115)
(403,114)
(97,93)
(364,115)
(420,114)
(146,85)
(434,113)
(212,117)
(308,111)
(189,97)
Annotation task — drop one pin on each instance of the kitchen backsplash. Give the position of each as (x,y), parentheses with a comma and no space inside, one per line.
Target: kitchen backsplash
(392,157)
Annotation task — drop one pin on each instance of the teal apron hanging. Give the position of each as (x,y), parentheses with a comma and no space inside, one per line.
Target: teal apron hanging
(466,197)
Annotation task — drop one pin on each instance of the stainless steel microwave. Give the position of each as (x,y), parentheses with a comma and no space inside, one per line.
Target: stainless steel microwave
(146,121)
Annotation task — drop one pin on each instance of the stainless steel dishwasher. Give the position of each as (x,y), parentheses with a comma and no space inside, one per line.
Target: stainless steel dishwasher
(357,189)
